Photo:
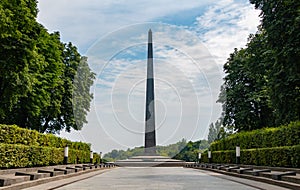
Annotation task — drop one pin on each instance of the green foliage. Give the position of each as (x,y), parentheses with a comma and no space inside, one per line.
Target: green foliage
(12,134)
(122,154)
(245,95)
(38,73)
(278,146)
(173,150)
(212,134)
(281,21)
(262,138)
(217,131)
(285,156)
(16,156)
(190,152)
(28,148)
(81,95)
(261,87)
(96,158)
(17,44)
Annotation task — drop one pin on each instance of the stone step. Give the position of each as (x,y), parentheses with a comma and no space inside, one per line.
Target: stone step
(256,172)
(215,166)
(11,179)
(75,169)
(241,170)
(51,172)
(232,168)
(15,176)
(89,166)
(33,169)
(223,167)
(292,179)
(277,175)
(66,171)
(33,175)
(83,167)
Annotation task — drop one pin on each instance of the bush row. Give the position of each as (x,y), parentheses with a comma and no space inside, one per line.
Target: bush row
(15,156)
(263,138)
(12,134)
(285,156)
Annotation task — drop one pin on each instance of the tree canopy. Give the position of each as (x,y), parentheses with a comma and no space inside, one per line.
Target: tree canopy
(262,81)
(39,73)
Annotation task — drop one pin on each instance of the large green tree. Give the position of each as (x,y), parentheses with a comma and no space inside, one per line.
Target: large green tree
(39,73)
(18,39)
(281,23)
(261,85)
(245,93)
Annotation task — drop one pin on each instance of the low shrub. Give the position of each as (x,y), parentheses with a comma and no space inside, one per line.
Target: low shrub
(263,138)
(12,134)
(16,156)
(284,156)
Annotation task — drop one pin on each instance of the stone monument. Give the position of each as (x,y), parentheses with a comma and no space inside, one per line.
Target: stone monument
(150,138)
(150,157)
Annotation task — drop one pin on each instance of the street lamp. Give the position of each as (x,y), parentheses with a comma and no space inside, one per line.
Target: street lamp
(100,157)
(238,154)
(199,153)
(199,157)
(91,157)
(209,156)
(66,154)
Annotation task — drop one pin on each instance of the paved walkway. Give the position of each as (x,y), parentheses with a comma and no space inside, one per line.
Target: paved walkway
(158,179)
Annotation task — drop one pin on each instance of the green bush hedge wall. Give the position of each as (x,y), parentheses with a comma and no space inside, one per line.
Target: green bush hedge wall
(12,134)
(28,148)
(285,156)
(14,156)
(263,138)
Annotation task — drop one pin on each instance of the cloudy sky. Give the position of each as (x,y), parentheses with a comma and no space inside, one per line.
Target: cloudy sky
(192,40)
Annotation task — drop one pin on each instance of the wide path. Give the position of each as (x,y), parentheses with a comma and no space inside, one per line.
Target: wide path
(156,178)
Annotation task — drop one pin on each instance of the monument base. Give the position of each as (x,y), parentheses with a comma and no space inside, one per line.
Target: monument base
(150,161)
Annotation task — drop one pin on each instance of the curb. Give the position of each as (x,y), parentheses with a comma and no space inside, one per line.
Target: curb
(255,178)
(28,184)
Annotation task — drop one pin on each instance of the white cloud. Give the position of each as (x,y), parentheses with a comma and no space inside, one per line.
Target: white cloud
(186,85)
(188,78)
(83,22)
(226,25)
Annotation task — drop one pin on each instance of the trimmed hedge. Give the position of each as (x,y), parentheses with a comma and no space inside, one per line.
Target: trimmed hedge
(28,148)
(263,138)
(96,158)
(285,156)
(12,134)
(14,156)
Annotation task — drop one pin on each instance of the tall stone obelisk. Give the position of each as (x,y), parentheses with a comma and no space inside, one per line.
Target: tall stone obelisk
(150,138)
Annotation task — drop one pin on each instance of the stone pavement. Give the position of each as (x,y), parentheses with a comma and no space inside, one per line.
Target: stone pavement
(20,178)
(157,178)
(279,176)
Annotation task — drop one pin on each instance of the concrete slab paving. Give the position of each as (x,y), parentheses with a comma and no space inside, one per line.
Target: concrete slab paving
(159,178)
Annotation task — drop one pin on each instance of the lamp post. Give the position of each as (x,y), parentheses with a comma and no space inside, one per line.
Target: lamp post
(209,156)
(238,154)
(100,157)
(199,157)
(199,153)
(91,157)
(66,154)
